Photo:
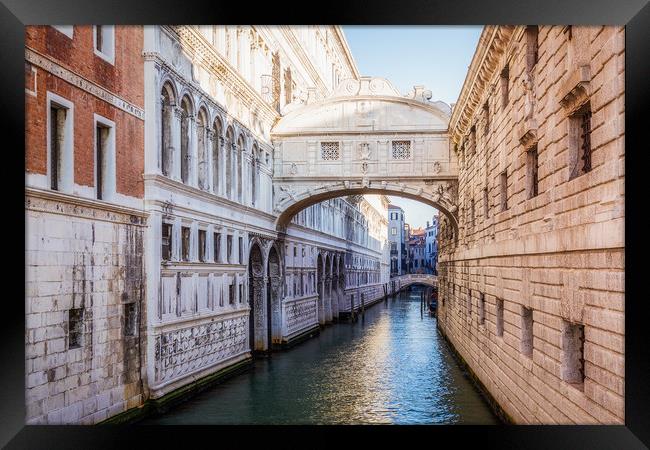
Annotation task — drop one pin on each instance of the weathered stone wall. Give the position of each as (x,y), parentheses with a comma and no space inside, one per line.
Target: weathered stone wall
(81,256)
(84,257)
(559,253)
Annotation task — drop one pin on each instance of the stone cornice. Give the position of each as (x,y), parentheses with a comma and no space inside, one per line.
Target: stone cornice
(54,67)
(196,43)
(343,42)
(492,44)
(60,197)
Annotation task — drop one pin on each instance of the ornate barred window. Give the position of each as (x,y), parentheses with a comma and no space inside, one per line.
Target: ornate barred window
(329,151)
(401,149)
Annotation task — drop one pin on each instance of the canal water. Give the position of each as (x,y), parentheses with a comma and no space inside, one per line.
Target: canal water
(390,367)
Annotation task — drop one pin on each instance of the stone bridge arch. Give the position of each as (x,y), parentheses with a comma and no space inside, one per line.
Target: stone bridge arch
(366,138)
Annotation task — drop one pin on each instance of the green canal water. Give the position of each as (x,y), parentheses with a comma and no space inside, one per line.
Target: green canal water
(390,367)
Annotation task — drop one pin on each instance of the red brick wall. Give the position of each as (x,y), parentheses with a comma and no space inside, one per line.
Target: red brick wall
(125,79)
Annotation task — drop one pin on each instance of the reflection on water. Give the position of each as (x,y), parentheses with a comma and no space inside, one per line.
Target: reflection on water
(391,367)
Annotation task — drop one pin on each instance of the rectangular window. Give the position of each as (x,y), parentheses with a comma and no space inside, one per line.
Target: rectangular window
(393,231)
(202,245)
(580,142)
(104,40)
(241,250)
(60,134)
(231,294)
(499,318)
(486,204)
(75,327)
(504,190)
(481,308)
(472,213)
(329,151)
(130,319)
(216,244)
(504,81)
(532,32)
(532,168)
(166,240)
(229,248)
(469,302)
(241,293)
(401,149)
(573,354)
(104,158)
(185,243)
(101,135)
(527,331)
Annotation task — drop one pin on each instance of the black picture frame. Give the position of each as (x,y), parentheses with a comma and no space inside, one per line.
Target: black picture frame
(635,14)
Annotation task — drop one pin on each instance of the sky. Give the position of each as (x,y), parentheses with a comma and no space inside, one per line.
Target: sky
(434,56)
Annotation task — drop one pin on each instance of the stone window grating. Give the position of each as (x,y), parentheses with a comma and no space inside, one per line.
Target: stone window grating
(580,142)
(527,331)
(75,327)
(202,245)
(573,352)
(401,149)
(185,243)
(166,241)
(329,151)
(499,316)
(532,171)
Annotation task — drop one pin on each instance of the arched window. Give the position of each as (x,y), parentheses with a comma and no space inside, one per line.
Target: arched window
(186,113)
(230,139)
(216,154)
(202,147)
(240,164)
(166,118)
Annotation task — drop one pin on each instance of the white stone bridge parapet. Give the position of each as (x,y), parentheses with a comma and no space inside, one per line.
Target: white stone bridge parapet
(404,281)
(366,138)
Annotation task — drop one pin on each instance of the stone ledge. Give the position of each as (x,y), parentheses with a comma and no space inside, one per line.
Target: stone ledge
(575,91)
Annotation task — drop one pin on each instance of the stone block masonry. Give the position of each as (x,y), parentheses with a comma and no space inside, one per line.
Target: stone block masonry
(550,240)
(99,271)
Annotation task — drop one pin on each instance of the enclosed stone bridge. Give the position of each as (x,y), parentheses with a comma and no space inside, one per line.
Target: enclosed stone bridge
(366,138)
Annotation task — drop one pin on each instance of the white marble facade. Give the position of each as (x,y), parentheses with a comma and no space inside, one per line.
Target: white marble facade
(211,245)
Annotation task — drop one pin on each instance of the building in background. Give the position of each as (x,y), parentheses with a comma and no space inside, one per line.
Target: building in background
(397,240)
(431,246)
(416,250)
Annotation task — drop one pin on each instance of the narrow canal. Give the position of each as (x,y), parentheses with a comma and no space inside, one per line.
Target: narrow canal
(390,367)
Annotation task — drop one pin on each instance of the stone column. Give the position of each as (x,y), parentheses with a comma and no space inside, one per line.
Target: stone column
(328,299)
(209,148)
(276,313)
(233,172)
(259,314)
(192,131)
(176,144)
(321,301)
(221,167)
(235,248)
(223,246)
